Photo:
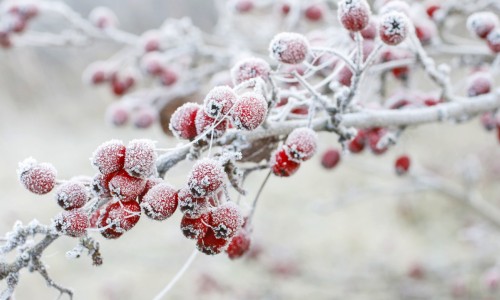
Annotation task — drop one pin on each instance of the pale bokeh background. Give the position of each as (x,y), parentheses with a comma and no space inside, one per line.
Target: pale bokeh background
(343,234)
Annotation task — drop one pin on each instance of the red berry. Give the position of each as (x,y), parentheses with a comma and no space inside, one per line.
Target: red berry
(425,31)
(118,217)
(344,76)
(249,68)
(432,9)
(282,165)
(210,244)
(482,23)
(314,12)
(150,40)
(182,123)
(289,48)
(117,114)
(121,83)
(239,244)
(249,111)
(243,6)
(103,17)
(493,40)
(354,15)
(150,182)
(394,28)
(479,83)
(125,187)
(140,158)
(160,202)
(219,101)
(285,8)
(73,223)
(205,126)
(152,63)
(195,228)
(330,158)
(301,144)
(402,164)
(370,31)
(206,177)
(71,195)
(100,185)
(226,220)
(168,76)
(38,178)
(373,136)
(144,117)
(109,157)
(191,206)
(357,144)
(489,121)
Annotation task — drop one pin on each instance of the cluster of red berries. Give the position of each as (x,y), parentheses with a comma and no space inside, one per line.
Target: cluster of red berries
(312,12)
(16,20)
(368,137)
(300,145)
(485,25)
(479,83)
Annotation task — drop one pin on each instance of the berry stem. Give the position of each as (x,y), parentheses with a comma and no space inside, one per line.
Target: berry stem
(261,188)
(177,276)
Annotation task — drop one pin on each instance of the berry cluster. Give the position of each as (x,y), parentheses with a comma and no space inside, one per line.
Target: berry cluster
(485,25)
(17,18)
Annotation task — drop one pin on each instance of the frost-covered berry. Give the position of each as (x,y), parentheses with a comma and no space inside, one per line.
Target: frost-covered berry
(282,165)
(140,158)
(71,195)
(117,114)
(488,121)
(249,111)
(249,68)
(168,76)
(205,125)
(191,206)
(330,158)
(239,245)
(118,217)
(152,63)
(160,202)
(393,28)
(226,220)
(357,144)
(100,185)
(314,12)
(109,157)
(73,223)
(38,178)
(354,15)
(431,9)
(97,73)
(182,122)
(103,17)
(206,177)
(150,182)
(301,144)
(195,228)
(370,31)
(144,117)
(150,40)
(479,83)
(493,40)
(402,164)
(210,244)
(482,23)
(289,48)
(344,76)
(373,137)
(219,101)
(125,187)
(243,6)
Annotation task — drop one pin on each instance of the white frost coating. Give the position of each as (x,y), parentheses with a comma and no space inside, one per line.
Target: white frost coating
(249,111)
(109,156)
(226,220)
(204,125)
(397,5)
(140,158)
(219,101)
(479,83)
(481,23)
(71,195)
(394,27)
(289,48)
(160,202)
(301,144)
(354,15)
(182,122)
(249,68)
(493,40)
(38,178)
(206,177)
(103,17)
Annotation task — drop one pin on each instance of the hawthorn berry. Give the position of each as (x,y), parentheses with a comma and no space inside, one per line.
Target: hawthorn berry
(109,157)
(488,121)
(150,182)
(226,219)
(482,23)
(373,137)
(479,83)
(100,185)
(314,12)
(151,40)
(38,178)
(219,101)
(330,158)
(124,187)
(282,165)
(210,244)
(344,76)
(118,217)
(195,228)
(160,202)
(250,68)
(121,83)
(249,111)
(97,73)
(393,28)
(402,164)
(301,144)
(289,48)
(182,122)
(432,9)
(191,206)
(354,15)
(206,177)
(71,195)
(168,76)
(357,144)
(152,63)
(140,158)
(117,114)
(73,223)
(493,40)
(243,6)
(239,245)
(209,127)
(144,117)
(370,31)
(103,17)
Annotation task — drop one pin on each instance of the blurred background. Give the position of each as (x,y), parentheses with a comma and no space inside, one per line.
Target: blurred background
(355,232)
